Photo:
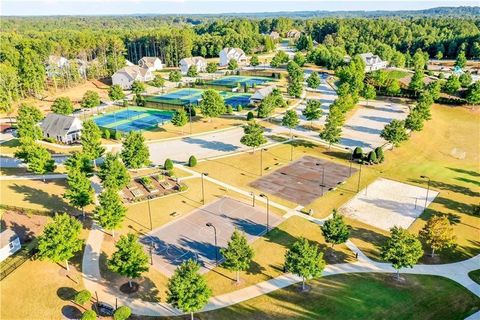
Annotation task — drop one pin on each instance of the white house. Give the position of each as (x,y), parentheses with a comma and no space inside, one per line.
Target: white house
(199,62)
(64,129)
(274,35)
(125,76)
(294,34)
(262,93)
(82,67)
(128,63)
(9,243)
(151,63)
(373,62)
(232,53)
(55,65)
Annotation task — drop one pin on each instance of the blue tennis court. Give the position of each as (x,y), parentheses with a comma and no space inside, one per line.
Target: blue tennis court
(179,97)
(238,100)
(233,81)
(133,119)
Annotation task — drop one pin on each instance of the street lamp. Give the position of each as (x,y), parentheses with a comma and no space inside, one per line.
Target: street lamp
(351,160)
(203,188)
(261,160)
(268,209)
(190,114)
(428,189)
(149,213)
(359,177)
(323,175)
(253,199)
(151,257)
(209,224)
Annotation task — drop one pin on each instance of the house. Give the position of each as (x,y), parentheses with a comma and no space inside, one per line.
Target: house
(128,63)
(151,63)
(275,35)
(64,129)
(125,76)
(9,243)
(82,67)
(228,54)
(55,65)
(261,94)
(373,62)
(294,34)
(199,62)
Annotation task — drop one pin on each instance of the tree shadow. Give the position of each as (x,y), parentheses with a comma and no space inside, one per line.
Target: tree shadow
(71,312)
(474,182)
(447,186)
(369,236)
(66,293)
(468,172)
(457,206)
(42,198)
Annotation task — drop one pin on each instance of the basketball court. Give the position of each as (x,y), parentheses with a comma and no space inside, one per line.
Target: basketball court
(190,238)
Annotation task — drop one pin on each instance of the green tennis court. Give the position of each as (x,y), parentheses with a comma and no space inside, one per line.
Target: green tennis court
(234,81)
(133,119)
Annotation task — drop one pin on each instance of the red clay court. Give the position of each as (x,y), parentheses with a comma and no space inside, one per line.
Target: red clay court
(301,181)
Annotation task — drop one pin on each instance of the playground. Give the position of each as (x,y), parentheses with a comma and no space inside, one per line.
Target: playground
(133,119)
(190,238)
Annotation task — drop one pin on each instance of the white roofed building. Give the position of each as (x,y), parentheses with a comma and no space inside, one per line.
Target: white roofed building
(151,63)
(127,75)
(56,65)
(373,62)
(232,53)
(262,93)
(198,62)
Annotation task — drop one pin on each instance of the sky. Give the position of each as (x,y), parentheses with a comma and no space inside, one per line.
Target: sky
(112,7)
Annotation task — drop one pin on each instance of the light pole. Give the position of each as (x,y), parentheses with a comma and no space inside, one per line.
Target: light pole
(253,199)
(351,160)
(203,187)
(428,189)
(323,176)
(190,114)
(151,257)
(209,224)
(150,213)
(359,177)
(261,160)
(268,209)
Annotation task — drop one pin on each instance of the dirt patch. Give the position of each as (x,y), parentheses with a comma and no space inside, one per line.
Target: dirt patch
(25,226)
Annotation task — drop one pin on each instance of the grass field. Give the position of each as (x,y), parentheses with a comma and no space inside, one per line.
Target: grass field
(475,275)
(360,296)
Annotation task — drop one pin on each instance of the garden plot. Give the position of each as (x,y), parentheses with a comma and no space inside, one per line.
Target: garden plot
(387,203)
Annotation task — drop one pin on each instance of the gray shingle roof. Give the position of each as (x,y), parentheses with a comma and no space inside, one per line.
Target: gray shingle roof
(56,124)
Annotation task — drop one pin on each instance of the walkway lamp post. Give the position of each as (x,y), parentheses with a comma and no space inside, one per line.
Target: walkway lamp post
(209,224)
(351,160)
(268,210)
(150,213)
(253,199)
(203,187)
(261,160)
(428,189)
(323,176)
(359,177)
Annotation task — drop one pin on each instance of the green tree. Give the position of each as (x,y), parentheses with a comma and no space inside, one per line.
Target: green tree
(434,89)
(238,254)
(138,87)
(394,132)
(175,76)
(461,60)
(192,161)
(295,79)
(254,61)
(129,259)
(110,210)
(168,164)
(313,81)
(332,130)
(135,153)
(83,297)
(290,120)
(232,64)
(212,67)
(335,230)
(113,173)
(414,121)
(122,313)
(393,87)
(91,140)
(115,92)
(90,99)
(62,105)
(180,119)
(465,79)
(80,192)
(312,111)
(253,135)
(304,260)
(212,104)
(438,233)
(473,93)
(402,249)
(250,116)
(452,85)
(369,92)
(27,118)
(39,160)
(158,82)
(192,71)
(187,289)
(9,86)
(416,83)
(60,239)
(89,315)
(299,59)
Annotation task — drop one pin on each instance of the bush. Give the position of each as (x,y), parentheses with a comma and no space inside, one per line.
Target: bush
(118,135)
(190,109)
(83,297)
(379,154)
(229,109)
(250,116)
(239,108)
(89,315)
(106,134)
(168,165)
(192,161)
(182,187)
(357,153)
(122,313)
(372,157)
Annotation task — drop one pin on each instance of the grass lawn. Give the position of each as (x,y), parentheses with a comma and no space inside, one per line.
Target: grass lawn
(475,275)
(396,74)
(8,148)
(360,296)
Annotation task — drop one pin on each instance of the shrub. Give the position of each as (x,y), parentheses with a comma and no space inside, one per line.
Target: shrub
(239,108)
(168,165)
(192,161)
(372,157)
(379,154)
(106,134)
(229,109)
(89,315)
(182,187)
(357,153)
(118,135)
(122,313)
(83,297)
(250,116)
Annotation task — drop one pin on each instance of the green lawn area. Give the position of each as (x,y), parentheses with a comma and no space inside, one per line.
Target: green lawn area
(475,275)
(360,296)
(396,74)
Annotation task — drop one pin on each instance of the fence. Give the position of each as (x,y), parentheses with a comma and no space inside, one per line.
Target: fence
(15,261)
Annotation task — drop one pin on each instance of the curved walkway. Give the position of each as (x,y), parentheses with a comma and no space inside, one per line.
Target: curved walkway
(93,280)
